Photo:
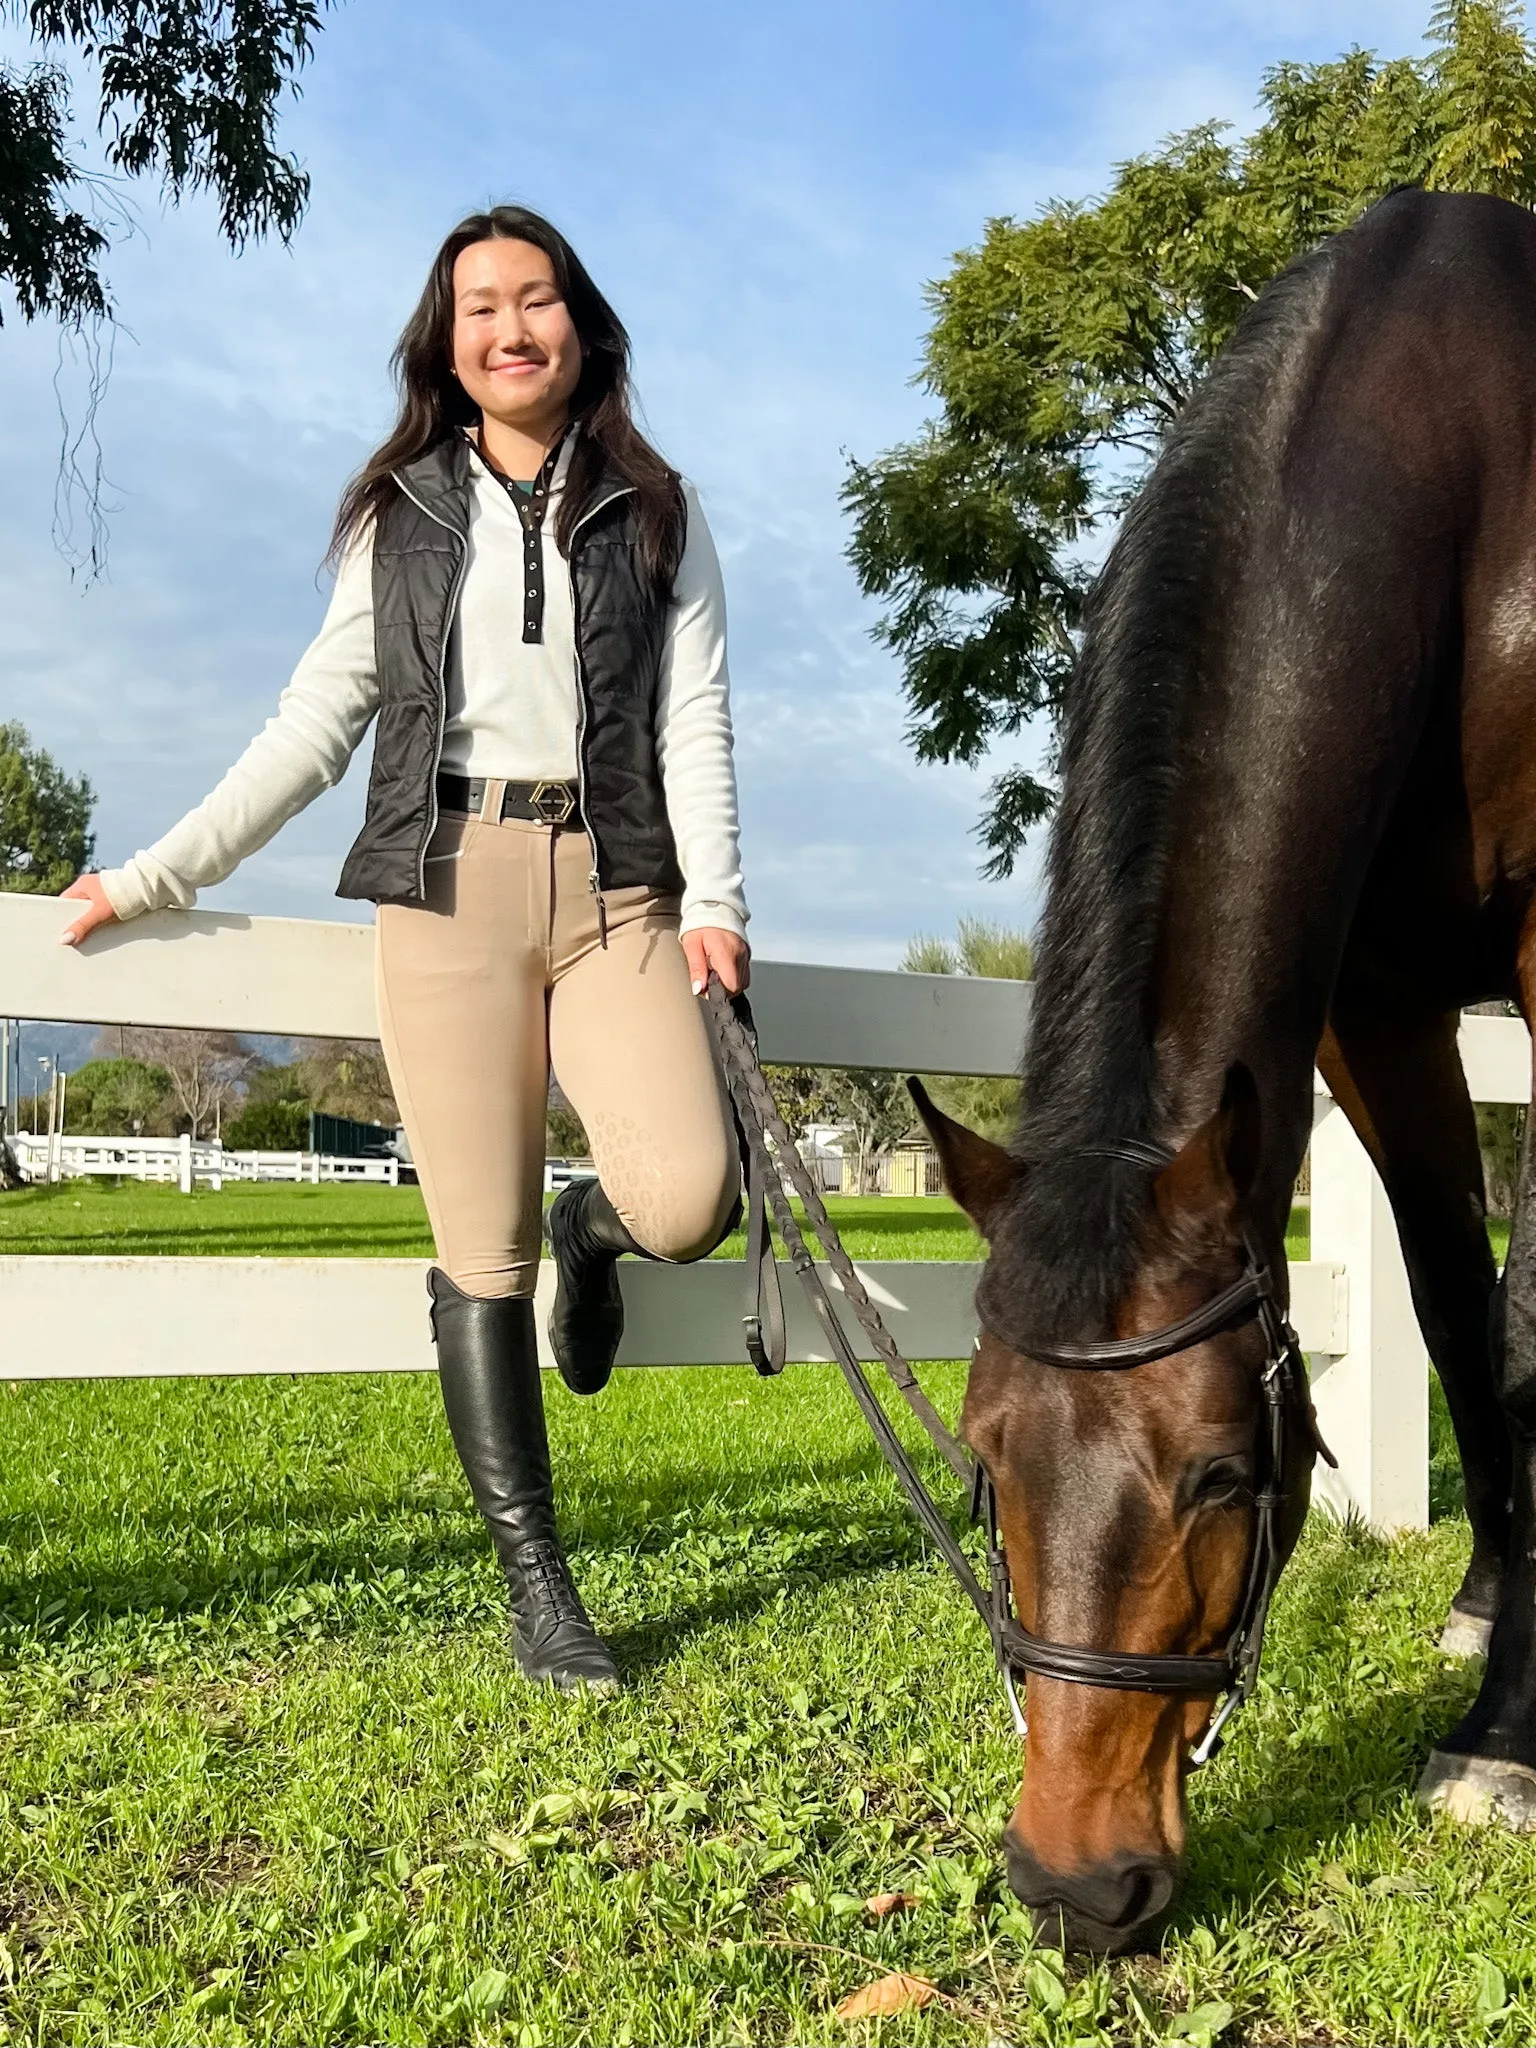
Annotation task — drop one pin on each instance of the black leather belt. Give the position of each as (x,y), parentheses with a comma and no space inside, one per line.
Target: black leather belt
(549,803)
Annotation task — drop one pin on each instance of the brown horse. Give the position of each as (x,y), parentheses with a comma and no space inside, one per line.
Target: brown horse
(1298,811)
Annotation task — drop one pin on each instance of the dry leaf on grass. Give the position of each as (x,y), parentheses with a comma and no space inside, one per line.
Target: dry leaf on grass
(883,1904)
(897,1993)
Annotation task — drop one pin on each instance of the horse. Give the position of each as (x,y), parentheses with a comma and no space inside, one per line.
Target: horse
(1296,824)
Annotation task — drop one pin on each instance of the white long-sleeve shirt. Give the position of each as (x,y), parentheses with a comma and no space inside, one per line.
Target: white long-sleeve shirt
(512,712)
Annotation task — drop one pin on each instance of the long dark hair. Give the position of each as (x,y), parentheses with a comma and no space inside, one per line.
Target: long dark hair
(434,406)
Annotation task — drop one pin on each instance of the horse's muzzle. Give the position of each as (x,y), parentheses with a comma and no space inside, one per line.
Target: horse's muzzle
(1104,1910)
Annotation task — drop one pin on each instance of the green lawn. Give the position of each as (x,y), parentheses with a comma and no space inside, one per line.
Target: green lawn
(269,1774)
(271,1220)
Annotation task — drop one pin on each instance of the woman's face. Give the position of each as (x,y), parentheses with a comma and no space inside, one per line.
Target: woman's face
(515,348)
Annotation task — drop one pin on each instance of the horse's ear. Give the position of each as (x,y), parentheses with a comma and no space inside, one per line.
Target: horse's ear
(1205,1182)
(979,1174)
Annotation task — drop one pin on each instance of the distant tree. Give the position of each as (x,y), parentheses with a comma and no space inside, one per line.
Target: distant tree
(45,817)
(1063,346)
(119,1098)
(267,1083)
(565,1135)
(805,1097)
(874,1109)
(997,952)
(876,1113)
(276,1125)
(1500,1137)
(207,1071)
(347,1077)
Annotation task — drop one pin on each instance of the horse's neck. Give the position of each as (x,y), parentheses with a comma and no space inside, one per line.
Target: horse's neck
(1252,924)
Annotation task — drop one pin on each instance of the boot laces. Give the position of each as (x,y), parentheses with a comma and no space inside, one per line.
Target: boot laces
(553,1583)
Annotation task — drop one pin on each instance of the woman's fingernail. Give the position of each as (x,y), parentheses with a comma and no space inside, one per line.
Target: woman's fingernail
(698,988)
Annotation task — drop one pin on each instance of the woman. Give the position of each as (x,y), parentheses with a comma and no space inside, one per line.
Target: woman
(529,599)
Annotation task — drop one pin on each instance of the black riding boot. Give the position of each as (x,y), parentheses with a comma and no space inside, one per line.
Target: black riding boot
(587,1320)
(488,1366)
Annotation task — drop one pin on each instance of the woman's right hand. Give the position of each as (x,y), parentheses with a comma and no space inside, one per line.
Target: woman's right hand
(87,889)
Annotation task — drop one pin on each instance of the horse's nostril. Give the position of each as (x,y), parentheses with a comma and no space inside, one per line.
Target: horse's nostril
(1105,1909)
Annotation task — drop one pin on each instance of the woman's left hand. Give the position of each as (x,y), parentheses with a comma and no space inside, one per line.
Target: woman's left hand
(709,947)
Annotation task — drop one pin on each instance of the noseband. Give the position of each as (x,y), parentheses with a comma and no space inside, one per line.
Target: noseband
(1233,1670)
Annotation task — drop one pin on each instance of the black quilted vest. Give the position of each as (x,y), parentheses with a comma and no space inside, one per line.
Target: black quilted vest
(419,552)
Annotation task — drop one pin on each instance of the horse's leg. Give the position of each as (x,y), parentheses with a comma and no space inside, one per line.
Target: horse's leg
(1401,1085)
(1485,1769)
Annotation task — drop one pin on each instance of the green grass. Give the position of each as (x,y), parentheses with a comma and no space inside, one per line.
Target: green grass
(270,1776)
(271,1220)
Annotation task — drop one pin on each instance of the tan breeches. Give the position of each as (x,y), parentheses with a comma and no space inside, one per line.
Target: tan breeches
(500,974)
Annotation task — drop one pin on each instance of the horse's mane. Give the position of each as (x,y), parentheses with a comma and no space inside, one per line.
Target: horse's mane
(1065,1252)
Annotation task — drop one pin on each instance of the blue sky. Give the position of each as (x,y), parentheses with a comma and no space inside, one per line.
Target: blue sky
(762,192)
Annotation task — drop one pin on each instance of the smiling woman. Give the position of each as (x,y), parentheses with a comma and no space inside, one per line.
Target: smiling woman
(528,599)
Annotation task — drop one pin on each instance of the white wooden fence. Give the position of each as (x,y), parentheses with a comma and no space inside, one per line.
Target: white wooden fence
(185,1161)
(121,1317)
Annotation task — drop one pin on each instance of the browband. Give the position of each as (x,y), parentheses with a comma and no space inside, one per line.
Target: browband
(1117,1354)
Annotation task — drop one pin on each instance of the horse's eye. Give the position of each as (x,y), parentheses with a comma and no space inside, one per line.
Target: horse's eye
(1219,1483)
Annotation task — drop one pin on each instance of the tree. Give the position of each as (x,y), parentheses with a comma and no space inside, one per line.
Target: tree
(187,89)
(119,1097)
(997,952)
(1500,1138)
(347,1077)
(45,818)
(805,1097)
(994,952)
(565,1135)
(875,1111)
(206,1070)
(278,1124)
(1063,346)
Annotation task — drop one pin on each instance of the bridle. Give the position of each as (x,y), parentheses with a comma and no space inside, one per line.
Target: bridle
(773,1166)
(1233,1670)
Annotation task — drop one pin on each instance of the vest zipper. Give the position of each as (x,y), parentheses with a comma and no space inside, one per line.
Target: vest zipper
(594,880)
(442,675)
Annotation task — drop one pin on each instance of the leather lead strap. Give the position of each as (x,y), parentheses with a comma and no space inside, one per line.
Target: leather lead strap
(767,1338)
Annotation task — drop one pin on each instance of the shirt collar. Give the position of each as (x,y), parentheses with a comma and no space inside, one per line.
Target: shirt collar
(562,464)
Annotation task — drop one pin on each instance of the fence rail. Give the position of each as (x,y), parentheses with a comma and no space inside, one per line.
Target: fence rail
(66,1317)
(185,1161)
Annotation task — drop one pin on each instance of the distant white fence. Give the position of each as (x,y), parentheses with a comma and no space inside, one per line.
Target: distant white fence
(104,1317)
(184,1161)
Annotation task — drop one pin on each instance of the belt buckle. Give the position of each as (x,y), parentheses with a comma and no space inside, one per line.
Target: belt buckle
(552,802)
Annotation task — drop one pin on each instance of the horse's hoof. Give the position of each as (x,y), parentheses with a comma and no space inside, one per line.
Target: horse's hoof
(1480,1791)
(1464,1635)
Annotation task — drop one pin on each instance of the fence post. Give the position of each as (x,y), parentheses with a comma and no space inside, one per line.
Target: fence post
(184,1176)
(1373,1400)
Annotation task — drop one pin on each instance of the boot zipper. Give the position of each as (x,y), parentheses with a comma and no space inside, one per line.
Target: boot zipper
(442,674)
(594,880)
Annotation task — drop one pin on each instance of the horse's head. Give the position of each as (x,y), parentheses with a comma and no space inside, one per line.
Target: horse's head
(1125,1498)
